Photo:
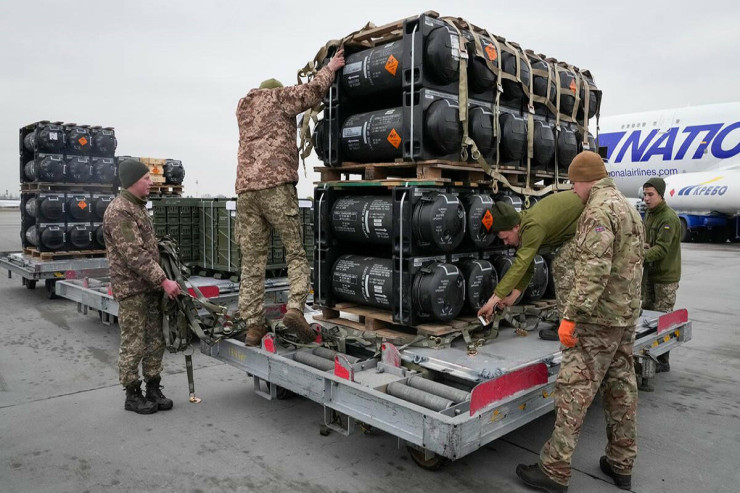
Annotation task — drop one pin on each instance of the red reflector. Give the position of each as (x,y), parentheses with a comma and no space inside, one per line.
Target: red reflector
(672,320)
(208,291)
(343,368)
(268,343)
(499,388)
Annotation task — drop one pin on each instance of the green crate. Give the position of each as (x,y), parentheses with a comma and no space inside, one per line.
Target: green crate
(160,230)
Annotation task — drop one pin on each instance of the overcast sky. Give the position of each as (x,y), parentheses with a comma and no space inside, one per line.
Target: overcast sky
(168,75)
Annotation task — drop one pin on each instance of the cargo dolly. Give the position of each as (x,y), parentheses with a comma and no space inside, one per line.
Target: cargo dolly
(32,269)
(442,403)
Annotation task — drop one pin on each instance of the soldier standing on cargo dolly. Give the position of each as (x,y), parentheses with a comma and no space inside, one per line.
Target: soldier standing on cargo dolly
(137,281)
(266,179)
(597,332)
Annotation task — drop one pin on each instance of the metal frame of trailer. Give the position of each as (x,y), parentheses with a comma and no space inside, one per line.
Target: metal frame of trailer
(31,270)
(511,381)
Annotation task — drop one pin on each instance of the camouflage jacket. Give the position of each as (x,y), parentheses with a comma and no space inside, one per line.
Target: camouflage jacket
(663,234)
(609,260)
(547,225)
(132,250)
(268,154)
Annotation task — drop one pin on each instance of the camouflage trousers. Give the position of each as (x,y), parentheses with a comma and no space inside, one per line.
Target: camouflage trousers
(563,272)
(660,297)
(142,340)
(256,212)
(601,361)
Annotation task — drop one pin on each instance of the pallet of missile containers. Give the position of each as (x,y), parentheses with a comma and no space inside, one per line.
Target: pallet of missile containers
(163,172)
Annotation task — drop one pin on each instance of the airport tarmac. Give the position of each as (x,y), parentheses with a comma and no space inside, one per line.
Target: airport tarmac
(63,427)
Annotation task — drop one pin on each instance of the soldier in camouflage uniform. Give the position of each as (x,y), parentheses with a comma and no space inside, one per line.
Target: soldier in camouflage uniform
(662,257)
(548,225)
(597,332)
(266,179)
(137,282)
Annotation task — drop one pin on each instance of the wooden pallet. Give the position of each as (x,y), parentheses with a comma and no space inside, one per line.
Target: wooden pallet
(33,252)
(173,190)
(381,322)
(436,170)
(67,187)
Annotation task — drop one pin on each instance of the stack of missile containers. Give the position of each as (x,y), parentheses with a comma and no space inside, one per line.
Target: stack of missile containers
(425,250)
(167,175)
(68,176)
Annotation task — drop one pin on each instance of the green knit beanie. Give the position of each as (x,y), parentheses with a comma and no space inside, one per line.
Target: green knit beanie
(505,217)
(270,84)
(658,184)
(130,171)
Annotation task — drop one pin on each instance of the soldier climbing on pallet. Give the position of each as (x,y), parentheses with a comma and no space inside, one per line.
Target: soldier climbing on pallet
(549,225)
(267,174)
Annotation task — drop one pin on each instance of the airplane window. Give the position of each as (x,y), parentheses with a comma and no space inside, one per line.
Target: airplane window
(678,120)
(655,123)
(643,124)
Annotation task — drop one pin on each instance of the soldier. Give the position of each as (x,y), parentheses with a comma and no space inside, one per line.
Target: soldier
(597,332)
(266,180)
(548,225)
(662,256)
(137,281)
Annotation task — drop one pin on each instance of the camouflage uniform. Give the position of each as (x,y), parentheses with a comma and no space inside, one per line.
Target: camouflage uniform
(136,277)
(563,273)
(266,176)
(605,303)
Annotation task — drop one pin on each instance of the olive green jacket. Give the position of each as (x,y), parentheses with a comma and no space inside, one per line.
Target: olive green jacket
(663,234)
(547,225)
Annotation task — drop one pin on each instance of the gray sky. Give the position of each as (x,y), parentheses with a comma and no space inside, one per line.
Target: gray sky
(168,75)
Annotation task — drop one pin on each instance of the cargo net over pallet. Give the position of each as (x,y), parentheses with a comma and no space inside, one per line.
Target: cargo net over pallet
(516,116)
(413,256)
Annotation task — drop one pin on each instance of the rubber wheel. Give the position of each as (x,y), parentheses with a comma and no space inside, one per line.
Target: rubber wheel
(49,284)
(281,392)
(432,464)
(29,284)
(685,234)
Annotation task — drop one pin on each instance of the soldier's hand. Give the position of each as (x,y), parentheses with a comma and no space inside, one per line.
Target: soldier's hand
(337,61)
(646,246)
(487,310)
(566,333)
(171,288)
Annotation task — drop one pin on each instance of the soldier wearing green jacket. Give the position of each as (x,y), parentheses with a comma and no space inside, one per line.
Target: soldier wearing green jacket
(662,255)
(547,226)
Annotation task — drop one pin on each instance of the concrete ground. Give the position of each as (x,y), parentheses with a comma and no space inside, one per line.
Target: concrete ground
(63,427)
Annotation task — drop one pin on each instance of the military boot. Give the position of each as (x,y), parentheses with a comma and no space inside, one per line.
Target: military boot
(623,481)
(295,321)
(550,334)
(535,477)
(255,333)
(136,402)
(154,395)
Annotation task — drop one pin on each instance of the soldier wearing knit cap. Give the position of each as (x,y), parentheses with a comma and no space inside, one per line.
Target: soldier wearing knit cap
(662,259)
(137,282)
(597,332)
(546,227)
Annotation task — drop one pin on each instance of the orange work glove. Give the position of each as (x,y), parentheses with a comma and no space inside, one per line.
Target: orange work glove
(565,333)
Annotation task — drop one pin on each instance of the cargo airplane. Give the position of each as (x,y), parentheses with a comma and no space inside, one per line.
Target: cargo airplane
(695,149)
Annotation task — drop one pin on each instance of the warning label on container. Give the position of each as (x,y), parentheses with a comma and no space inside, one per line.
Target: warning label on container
(394,138)
(573,85)
(82,204)
(82,141)
(491,52)
(391,66)
(487,220)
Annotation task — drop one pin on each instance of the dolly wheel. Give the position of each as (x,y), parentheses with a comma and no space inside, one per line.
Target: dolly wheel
(50,293)
(29,284)
(431,464)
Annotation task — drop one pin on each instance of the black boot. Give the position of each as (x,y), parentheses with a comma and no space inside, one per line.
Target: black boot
(623,481)
(535,477)
(550,334)
(136,402)
(664,364)
(155,396)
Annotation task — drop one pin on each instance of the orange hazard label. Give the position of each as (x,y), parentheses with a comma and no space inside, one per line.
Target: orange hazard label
(155,170)
(82,204)
(487,220)
(391,66)
(573,85)
(491,52)
(394,138)
(82,141)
